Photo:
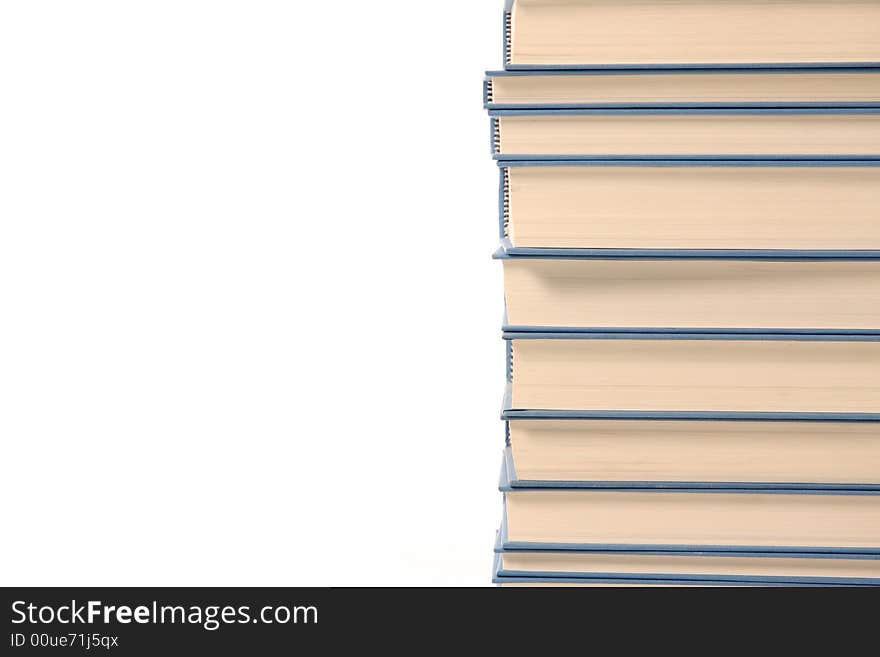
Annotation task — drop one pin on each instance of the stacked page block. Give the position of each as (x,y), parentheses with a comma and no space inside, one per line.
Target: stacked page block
(689,216)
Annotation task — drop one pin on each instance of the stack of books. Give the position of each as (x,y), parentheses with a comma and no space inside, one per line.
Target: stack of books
(690,226)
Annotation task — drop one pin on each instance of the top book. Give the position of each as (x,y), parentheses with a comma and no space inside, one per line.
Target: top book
(584,34)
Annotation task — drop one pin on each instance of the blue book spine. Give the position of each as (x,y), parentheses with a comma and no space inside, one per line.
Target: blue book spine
(507,32)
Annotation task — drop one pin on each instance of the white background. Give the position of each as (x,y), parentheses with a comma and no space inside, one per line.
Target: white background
(249,323)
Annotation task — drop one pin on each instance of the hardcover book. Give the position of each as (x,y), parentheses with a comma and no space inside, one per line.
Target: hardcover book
(713,520)
(684,568)
(681,205)
(830,293)
(824,134)
(695,33)
(676,374)
(695,453)
(663,88)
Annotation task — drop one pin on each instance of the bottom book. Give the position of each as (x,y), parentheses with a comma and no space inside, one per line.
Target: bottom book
(622,568)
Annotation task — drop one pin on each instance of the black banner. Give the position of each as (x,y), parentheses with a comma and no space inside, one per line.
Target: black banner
(170,621)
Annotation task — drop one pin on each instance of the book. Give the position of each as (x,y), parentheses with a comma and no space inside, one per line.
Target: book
(658,454)
(825,134)
(793,376)
(707,33)
(716,520)
(664,88)
(835,293)
(507,574)
(685,568)
(673,204)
